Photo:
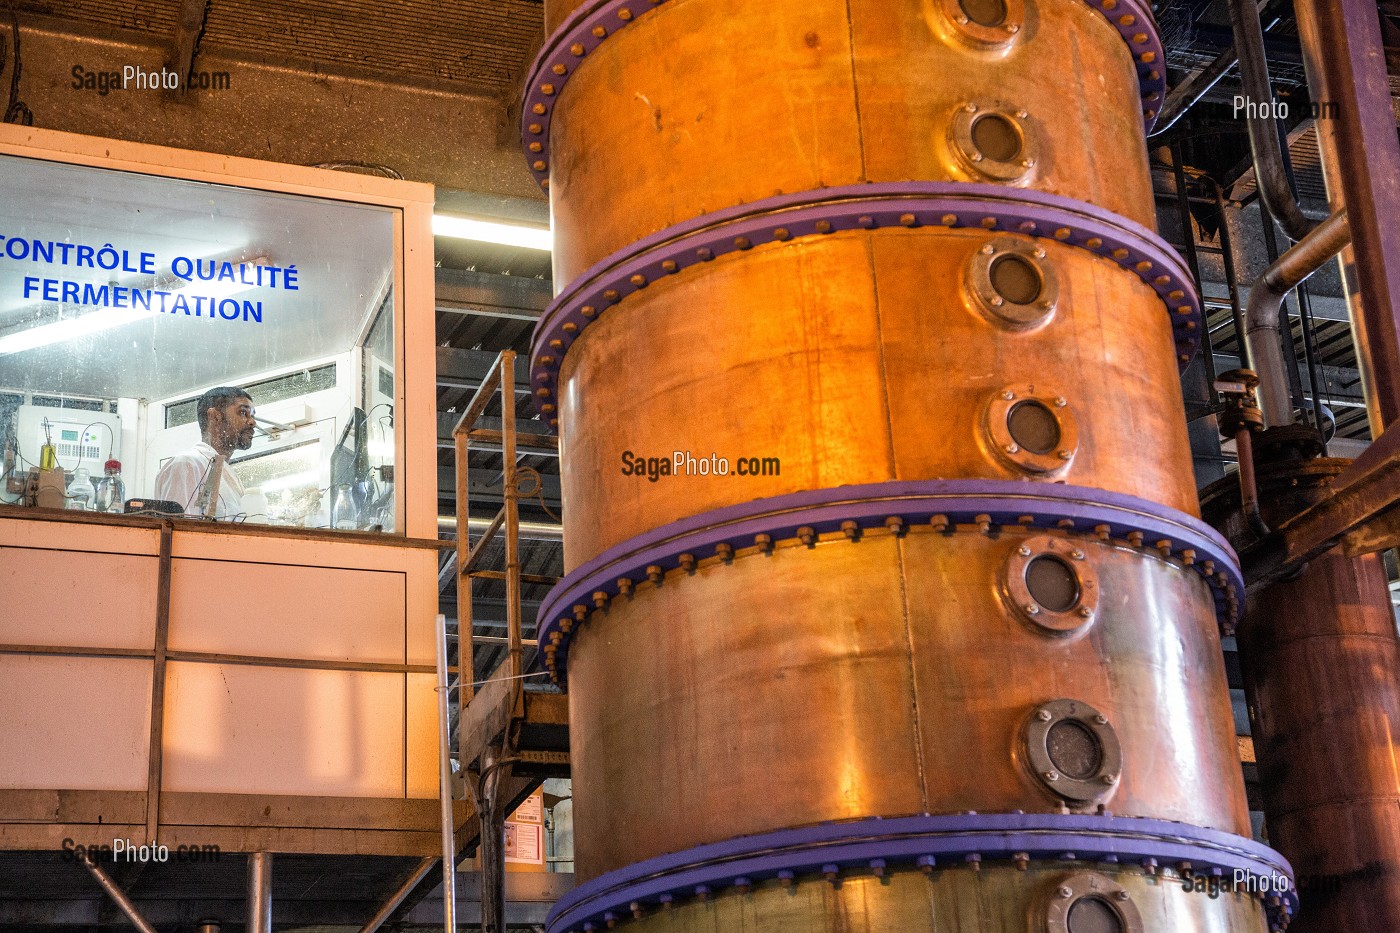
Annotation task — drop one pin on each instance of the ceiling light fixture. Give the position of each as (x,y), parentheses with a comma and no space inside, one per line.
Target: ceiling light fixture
(490,231)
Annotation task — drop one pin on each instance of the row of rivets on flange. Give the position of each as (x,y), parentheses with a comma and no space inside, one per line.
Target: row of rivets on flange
(610,289)
(555,640)
(575,42)
(1278,909)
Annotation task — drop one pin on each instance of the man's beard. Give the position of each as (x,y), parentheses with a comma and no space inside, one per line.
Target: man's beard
(245,440)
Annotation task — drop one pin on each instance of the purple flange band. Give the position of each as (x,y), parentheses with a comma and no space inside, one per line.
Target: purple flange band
(589,26)
(824,510)
(829,210)
(925,842)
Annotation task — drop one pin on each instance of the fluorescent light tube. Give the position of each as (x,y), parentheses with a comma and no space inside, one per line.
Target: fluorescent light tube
(489,231)
(70,329)
(95,322)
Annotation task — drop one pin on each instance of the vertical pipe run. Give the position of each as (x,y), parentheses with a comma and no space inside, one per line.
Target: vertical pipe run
(506,362)
(449,838)
(1270,166)
(1346,65)
(259,892)
(492,850)
(1320,656)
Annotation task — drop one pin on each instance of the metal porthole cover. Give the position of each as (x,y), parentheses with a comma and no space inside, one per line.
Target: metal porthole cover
(1051,722)
(1076,893)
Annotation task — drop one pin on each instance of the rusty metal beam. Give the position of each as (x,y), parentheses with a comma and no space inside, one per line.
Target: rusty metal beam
(1345,58)
(1359,513)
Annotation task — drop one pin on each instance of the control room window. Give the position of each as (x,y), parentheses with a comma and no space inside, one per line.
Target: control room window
(125,299)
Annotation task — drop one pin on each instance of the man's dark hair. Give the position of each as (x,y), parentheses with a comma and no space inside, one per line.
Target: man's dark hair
(216,398)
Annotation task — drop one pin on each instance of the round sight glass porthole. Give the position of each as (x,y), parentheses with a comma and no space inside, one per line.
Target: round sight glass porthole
(1033,426)
(1016,279)
(992,141)
(1030,430)
(996,137)
(1073,751)
(1050,581)
(1094,915)
(984,12)
(1012,283)
(1089,902)
(984,25)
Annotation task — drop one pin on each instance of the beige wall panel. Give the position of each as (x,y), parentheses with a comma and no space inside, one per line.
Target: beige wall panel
(296,612)
(77,599)
(312,551)
(253,730)
(422,761)
(422,591)
(74,723)
(79,536)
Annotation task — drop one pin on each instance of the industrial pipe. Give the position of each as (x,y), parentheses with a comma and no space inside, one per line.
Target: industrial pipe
(532,531)
(1264,143)
(119,896)
(449,837)
(259,918)
(1198,84)
(1264,310)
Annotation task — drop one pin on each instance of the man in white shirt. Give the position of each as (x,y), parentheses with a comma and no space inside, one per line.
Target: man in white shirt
(199,479)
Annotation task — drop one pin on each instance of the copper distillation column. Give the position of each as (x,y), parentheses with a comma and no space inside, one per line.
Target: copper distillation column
(876,615)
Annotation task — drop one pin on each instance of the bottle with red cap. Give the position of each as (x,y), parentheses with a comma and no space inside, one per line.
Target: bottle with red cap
(109,491)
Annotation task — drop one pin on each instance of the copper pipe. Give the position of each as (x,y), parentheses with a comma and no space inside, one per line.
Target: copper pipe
(1249,490)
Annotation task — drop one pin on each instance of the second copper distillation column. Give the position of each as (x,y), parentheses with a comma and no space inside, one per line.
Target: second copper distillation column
(935,647)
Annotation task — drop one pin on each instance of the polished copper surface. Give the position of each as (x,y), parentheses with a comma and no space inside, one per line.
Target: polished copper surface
(857,358)
(886,676)
(724,102)
(957,900)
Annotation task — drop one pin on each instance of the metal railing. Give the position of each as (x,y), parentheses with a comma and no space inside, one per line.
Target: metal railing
(495,764)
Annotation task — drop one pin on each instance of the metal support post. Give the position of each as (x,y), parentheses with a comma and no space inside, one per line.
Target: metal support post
(449,837)
(259,892)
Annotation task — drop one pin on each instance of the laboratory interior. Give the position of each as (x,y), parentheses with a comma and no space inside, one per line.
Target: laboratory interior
(700,466)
